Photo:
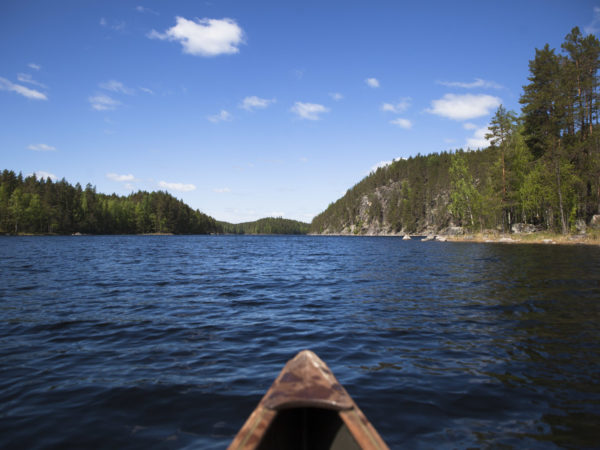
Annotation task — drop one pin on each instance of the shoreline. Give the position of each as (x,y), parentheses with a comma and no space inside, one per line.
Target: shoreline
(544,238)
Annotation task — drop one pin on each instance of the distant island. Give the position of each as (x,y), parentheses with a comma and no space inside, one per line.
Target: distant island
(29,205)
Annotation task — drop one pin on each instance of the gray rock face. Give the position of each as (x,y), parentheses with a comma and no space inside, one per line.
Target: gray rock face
(580,226)
(523,228)
(454,231)
(595,222)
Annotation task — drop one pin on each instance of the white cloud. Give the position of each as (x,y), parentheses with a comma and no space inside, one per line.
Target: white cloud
(120,178)
(254,102)
(384,164)
(478,139)
(146,90)
(309,111)
(223,116)
(397,108)
(143,10)
(116,86)
(34,66)
(372,82)
(204,37)
(43,174)
(594,26)
(478,83)
(6,85)
(26,78)
(464,107)
(224,190)
(41,147)
(177,186)
(102,21)
(102,102)
(402,123)
(336,96)
(469,126)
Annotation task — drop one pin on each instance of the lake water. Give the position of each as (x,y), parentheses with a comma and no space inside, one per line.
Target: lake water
(171,341)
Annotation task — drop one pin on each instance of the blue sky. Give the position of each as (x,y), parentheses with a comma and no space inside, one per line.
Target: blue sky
(246,109)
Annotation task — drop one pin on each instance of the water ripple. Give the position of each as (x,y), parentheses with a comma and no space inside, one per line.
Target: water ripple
(169,342)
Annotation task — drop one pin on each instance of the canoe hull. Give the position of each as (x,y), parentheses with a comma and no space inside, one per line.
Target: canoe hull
(306,407)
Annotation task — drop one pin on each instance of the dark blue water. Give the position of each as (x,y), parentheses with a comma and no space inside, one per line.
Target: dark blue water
(170,342)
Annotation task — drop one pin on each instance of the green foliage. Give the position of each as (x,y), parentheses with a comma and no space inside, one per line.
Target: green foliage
(42,206)
(465,200)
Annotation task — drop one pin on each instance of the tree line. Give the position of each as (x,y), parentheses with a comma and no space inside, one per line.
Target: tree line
(32,205)
(267,225)
(542,167)
(43,206)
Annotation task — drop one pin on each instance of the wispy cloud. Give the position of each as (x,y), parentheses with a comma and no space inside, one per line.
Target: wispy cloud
(336,96)
(309,111)
(464,107)
(146,90)
(102,102)
(120,178)
(469,126)
(180,187)
(47,175)
(26,78)
(402,123)
(34,66)
(478,83)
(117,86)
(41,148)
(298,73)
(144,10)
(204,37)
(6,85)
(372,82)
(478,139)
(117,25)
(222,116)
(402,105)
(254,102)
(224,190)
(594,26)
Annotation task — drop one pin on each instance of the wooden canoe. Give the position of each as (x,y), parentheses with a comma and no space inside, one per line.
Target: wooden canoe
(307,408)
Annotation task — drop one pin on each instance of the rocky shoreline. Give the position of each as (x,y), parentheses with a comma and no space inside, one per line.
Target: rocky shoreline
(488,237)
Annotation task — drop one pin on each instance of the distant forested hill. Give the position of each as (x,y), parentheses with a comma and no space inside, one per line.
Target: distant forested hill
(39,206)
(30,205)
(542,169)
(268,225)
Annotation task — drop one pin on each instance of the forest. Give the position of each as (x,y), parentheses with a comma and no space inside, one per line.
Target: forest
(29,205)
(541,170)
(267,225)
(42,206)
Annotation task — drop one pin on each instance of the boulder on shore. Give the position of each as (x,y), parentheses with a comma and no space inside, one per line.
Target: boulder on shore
(406,237)
(595,222)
